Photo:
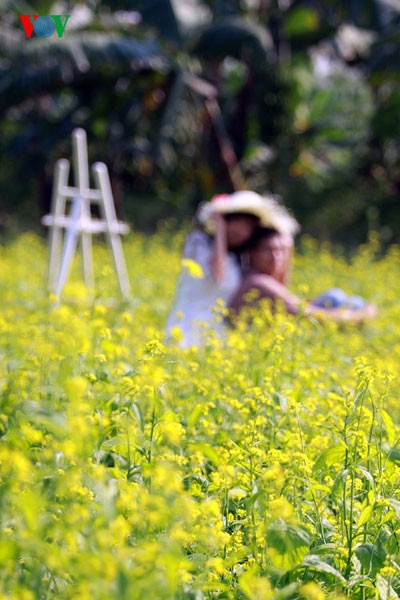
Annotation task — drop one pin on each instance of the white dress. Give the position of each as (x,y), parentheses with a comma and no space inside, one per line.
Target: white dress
(195,298)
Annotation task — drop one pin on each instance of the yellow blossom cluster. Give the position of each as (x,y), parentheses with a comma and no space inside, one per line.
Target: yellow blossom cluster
(264,466)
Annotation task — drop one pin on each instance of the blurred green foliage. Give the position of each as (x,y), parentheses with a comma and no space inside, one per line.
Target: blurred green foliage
(307,107)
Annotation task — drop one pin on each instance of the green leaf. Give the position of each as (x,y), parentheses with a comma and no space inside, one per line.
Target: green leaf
(39,68)
(393,454)
(390,427)
(365,515)
(236,37)
(314,562)
(42,7)
(287,544)
(371,556)
(324,549)
(385,590)
(8,550)
(281,400)
(30,506)
(138,415)
(209,452)
(365,473)
(300,21)
(395,504)
(334,454)
(160,15)
(287,592)
(360,397)
(195,415)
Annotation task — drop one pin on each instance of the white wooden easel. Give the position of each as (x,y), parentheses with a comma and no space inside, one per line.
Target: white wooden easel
(79,222)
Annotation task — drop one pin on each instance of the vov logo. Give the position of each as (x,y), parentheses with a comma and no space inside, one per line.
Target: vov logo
(44,26)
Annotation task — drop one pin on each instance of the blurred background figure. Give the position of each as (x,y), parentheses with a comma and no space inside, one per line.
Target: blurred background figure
(269,256)
(212,267)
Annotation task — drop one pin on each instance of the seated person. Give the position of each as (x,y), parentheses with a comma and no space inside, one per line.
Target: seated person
(225,225)
(269,263)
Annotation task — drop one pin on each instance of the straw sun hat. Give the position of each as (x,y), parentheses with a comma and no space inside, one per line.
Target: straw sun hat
(266,208)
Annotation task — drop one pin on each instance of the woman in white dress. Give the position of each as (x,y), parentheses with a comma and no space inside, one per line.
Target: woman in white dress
(227,223)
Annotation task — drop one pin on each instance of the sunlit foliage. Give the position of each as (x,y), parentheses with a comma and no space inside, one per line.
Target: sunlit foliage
(264,467)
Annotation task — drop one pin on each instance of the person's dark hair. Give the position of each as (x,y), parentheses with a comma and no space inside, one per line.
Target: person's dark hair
(259,235)
(253,218)
(235,215)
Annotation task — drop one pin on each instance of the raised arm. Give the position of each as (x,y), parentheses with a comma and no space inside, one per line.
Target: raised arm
(219,249)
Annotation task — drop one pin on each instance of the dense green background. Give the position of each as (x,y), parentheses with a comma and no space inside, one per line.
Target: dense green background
(308,91)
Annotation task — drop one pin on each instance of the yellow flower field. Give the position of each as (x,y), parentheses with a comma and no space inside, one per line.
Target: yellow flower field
(264,468)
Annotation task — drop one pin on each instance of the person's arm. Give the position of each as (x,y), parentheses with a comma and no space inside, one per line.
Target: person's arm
(265,287)
(268,287)
(219,250)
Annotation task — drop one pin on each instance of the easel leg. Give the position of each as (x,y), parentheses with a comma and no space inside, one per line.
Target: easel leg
(107,209)
(70,242)
(57,209)
(81,171)
(86,241)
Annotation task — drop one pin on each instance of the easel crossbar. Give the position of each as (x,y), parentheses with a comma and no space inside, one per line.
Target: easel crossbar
(85,225)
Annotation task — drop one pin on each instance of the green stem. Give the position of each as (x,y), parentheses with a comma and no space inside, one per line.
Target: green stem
(350,529)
